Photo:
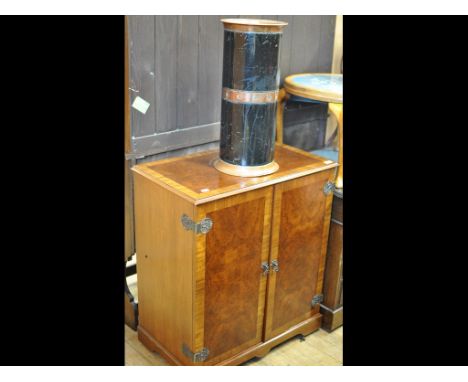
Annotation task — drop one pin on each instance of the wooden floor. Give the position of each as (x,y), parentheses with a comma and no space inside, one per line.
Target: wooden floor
(319,348)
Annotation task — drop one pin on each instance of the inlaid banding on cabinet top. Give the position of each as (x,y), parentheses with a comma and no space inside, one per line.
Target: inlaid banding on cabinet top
(194,178)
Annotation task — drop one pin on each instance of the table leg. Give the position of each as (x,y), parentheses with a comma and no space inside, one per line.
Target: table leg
(282,98)
(337,110)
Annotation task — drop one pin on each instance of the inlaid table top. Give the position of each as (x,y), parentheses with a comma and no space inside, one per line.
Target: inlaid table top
(194,177)
(323,87)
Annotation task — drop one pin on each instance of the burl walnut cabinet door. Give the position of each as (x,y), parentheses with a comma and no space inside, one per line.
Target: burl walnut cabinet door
(301,218)
(229,282)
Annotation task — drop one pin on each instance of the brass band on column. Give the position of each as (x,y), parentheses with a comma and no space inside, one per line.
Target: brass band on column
(249,95)
(244,96)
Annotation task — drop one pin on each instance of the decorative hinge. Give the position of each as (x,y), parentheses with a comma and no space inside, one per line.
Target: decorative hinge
(265,268)
(274,265)
(203,227)
(317,299)
(200,356)
(328,187)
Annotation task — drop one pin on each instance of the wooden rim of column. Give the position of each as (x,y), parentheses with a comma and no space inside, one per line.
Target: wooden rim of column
(254,25)
(245,171)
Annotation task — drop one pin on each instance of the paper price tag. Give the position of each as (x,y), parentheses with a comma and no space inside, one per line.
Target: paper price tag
(141,105)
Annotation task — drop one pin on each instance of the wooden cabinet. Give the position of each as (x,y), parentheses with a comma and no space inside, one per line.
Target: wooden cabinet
(229,267)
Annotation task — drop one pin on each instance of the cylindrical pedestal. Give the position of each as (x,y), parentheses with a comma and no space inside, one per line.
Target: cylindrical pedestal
(250,91)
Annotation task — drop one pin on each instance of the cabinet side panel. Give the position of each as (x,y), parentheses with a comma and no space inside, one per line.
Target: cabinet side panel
(300,250)
(164,250)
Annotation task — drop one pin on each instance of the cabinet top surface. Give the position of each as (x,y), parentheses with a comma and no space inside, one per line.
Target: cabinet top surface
(194,178)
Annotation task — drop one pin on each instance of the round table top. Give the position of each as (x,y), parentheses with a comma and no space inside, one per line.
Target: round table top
(323,87)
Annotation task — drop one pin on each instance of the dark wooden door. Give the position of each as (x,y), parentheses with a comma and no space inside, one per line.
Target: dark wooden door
(230,285)
(301,218)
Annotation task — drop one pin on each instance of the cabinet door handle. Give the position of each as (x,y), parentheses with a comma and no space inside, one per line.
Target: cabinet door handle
(265,268)
(274,264)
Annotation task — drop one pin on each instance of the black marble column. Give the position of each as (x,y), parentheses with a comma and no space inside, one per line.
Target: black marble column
(251,79)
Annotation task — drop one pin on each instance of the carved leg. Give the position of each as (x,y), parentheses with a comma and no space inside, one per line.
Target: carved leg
(282,98)
(337,110)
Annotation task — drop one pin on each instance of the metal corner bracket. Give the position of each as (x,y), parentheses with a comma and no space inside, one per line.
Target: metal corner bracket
(317,299)
(328,187)
(203,226)
(200,356)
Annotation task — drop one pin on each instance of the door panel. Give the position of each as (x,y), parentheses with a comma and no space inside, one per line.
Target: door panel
(301,215)
(231,316)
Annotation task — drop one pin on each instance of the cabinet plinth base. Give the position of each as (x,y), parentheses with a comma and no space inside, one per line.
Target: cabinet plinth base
(153,345)
(260,350)
(332,319)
